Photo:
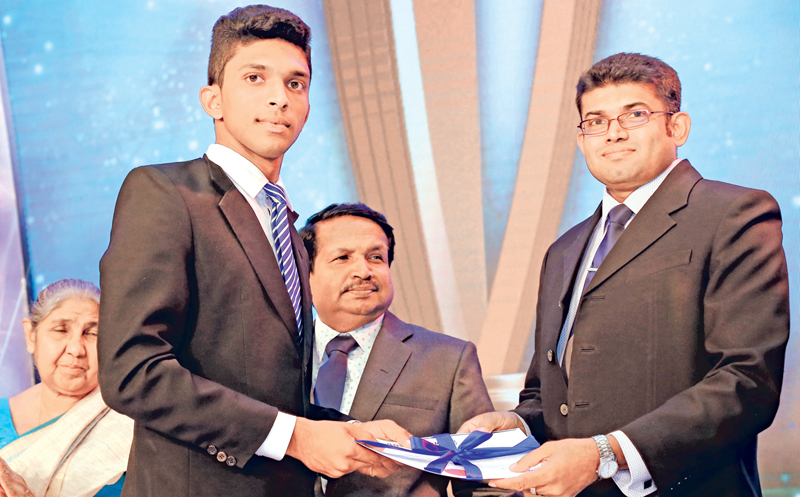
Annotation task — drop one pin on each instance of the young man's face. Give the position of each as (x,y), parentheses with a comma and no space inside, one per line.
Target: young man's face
(263,102)
(351,282)
(625,159)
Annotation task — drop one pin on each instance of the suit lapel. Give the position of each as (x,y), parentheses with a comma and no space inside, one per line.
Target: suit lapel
(571,259)
(251,237)
(301,259)
(573,255)
(387,359)
(652,221)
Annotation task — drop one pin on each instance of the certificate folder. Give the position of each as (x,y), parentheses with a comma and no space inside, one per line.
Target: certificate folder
(468,456)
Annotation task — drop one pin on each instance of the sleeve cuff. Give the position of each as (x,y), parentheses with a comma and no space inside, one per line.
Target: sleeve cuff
(636,480)
(278,438)
(525,426)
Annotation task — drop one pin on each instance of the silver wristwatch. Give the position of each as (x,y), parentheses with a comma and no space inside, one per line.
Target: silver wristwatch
(608,461)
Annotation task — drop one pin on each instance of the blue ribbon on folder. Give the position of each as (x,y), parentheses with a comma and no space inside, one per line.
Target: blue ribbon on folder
(446,451)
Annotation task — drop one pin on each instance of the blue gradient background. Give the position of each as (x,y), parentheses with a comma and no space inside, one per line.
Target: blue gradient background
(507,34)
(98,88)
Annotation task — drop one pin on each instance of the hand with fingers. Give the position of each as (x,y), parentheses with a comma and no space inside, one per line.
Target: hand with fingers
(11,483)
(387,429)
(492,421)
(567,467)
(330,448)
(384,429)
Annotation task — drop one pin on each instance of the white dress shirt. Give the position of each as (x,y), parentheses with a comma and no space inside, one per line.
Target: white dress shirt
(250,182)
(356,360)
(635,481)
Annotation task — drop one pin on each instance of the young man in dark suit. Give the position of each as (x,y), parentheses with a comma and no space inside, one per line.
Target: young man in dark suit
(206,311)
(427,382)
(662,320)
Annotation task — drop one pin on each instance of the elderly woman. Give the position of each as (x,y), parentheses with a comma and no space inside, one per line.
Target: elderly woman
(58,438)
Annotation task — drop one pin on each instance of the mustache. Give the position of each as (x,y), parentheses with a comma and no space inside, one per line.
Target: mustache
(363,285)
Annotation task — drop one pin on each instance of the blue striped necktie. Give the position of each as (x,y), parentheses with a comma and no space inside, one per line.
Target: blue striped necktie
(279,220)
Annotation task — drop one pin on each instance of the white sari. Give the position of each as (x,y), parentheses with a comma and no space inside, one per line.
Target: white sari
(77,455)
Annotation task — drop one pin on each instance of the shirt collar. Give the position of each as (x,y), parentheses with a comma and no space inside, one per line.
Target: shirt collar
(640,196)
(247,177)
(324,334)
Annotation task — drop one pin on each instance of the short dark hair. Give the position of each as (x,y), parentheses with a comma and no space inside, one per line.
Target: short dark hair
(245,25)
(633,68)
(309,231)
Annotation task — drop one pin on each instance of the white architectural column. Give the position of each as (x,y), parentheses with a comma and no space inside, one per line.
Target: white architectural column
(566,46)
(365,68)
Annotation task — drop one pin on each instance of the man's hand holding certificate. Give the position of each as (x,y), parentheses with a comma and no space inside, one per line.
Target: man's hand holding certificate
(469,456)
(557,468)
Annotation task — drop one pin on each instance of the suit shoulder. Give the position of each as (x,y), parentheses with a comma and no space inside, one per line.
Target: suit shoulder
(189,177)
(722,190)
(433,339)
(414,335)
(571,234)
(726,195)
(175,171)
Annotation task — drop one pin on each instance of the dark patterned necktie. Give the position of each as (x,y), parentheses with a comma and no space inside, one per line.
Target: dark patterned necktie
(330,379)
(279,221)
(615,226)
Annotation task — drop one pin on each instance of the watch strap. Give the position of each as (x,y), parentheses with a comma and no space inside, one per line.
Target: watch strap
(604,447)
(607,456)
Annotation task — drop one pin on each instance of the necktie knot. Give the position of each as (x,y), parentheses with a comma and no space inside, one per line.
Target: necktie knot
(341,343)
(620,214)
(275,193)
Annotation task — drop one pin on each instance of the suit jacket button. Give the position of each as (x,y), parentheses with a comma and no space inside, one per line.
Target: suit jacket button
(230,461)
(221,456)
(212,449)
(564,409)
(550,355)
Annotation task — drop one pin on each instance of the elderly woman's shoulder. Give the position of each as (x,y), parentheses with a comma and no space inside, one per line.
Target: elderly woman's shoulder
(7,431)
(25,409)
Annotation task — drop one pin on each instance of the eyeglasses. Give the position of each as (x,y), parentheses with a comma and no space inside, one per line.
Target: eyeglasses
(628,120)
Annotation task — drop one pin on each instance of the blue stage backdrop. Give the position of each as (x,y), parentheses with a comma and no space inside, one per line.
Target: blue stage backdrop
(505,79)
(98,88)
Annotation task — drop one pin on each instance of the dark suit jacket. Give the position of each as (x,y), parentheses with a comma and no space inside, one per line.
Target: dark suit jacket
(679,338)
(198,340)
(428,383)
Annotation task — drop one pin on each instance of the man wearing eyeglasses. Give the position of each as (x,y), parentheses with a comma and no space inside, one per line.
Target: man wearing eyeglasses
(662,320)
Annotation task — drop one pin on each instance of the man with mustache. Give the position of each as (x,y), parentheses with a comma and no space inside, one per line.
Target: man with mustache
(427,382)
